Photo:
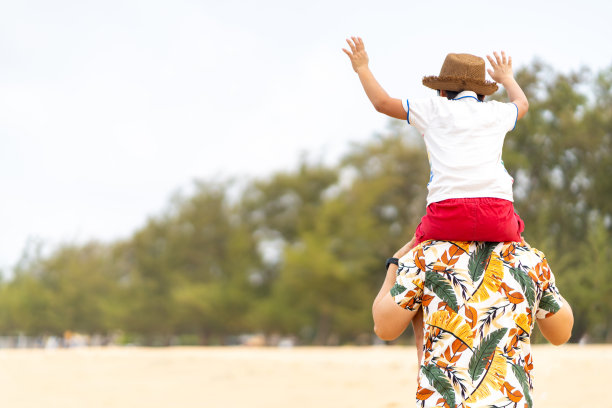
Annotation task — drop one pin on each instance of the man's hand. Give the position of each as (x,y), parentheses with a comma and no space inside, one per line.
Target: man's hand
(358,55)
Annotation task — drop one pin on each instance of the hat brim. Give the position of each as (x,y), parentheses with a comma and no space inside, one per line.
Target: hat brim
(452,83)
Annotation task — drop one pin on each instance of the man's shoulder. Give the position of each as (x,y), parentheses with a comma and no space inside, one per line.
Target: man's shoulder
(521,250)
(513,257)
(526,252)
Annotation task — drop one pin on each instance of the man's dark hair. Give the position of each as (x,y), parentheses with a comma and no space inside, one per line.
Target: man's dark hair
(453,95)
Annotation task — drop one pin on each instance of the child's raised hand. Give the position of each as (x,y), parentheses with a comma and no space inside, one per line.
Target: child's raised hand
(502,67)
(357,54)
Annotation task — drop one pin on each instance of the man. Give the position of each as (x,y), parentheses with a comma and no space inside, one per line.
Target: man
(480,301)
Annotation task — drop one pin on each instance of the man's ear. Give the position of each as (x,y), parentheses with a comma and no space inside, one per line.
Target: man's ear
(442,92)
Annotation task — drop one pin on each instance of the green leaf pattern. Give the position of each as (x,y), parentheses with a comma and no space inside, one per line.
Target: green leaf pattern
(436,378)
(521,376)
(526,284)
(397,289)
(549,303)
(489,319)
(478,260)
(484,351)
(442,288)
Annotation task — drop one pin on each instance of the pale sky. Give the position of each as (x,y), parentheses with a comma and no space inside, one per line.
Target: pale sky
(109,107)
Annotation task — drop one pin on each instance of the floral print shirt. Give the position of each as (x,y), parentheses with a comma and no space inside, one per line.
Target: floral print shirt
(480,302)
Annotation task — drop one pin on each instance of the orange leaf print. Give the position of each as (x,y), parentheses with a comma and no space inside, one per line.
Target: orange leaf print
(445,306)
(513,342)
(533,276)
(431,334)
(449,309)
(451,256)
(424,393)
(529,317)
(528,363)
(463,245)
(507,253)
(453,353)
(444,401)
(514,395)
(458,346)
(409,300)
(426,300)
(471,316)
(419,259)
(438,267)
(515,297)
(545,276)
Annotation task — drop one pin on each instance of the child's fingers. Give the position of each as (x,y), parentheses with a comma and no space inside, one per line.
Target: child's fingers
(347,52)
(510,61)
(490,72)
(360,43)
(497,58)
(504,59)
(493,64)
(350,43)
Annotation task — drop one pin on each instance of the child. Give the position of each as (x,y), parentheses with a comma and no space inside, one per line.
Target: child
(469,190)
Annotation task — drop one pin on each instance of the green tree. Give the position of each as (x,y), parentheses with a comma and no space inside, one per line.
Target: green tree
(191,269)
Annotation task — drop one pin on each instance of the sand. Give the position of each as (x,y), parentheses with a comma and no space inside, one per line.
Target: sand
(376,377)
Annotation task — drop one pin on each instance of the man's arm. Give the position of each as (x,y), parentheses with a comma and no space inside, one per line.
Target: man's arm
(502,73)
(382,102)
(558,328)
(390,319)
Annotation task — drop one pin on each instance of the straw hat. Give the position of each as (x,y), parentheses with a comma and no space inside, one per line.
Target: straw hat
(462,72)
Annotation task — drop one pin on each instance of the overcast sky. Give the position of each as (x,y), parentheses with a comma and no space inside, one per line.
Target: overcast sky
(109,107)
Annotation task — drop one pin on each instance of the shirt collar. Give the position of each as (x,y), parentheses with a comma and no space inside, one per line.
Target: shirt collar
(466,95)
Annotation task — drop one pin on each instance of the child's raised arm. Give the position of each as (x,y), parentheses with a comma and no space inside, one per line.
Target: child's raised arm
(502,73)
(382,102)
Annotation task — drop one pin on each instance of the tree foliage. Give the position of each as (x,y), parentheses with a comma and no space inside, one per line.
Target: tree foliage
(301,252)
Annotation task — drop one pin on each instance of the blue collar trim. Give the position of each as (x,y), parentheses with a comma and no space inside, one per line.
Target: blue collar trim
(469,96)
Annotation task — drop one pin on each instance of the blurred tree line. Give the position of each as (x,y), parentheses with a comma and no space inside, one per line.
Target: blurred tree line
(302,252)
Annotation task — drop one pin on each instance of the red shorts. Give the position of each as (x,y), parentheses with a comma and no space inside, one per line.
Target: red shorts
(471,219)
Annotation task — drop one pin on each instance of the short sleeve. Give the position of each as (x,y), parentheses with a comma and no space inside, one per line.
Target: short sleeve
(507,114)
(408,289)
(420,112)
(551,300)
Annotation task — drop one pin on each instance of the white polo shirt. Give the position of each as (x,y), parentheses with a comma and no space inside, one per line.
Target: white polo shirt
(464,139)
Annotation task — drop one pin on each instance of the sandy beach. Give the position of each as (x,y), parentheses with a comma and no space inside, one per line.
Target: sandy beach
(375,377)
